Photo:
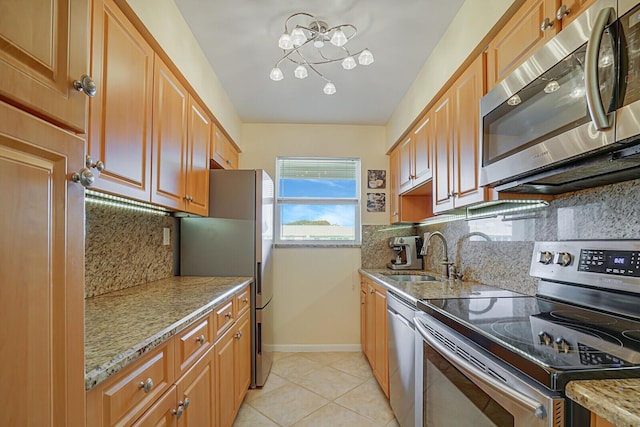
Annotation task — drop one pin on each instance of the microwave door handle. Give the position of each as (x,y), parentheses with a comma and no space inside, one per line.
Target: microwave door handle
(536,407)
(594,100)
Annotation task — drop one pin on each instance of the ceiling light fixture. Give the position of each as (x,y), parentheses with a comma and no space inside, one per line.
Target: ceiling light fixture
(317,44)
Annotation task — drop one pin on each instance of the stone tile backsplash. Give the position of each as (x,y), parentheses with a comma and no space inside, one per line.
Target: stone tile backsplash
(608,212)
(123,248)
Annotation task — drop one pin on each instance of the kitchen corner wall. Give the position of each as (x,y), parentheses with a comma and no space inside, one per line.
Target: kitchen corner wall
(608,212)
(123,248)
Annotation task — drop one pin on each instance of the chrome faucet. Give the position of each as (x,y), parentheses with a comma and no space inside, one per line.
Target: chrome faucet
(445,260)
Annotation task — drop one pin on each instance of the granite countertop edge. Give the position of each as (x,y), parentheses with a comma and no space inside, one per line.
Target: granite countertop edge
(615,400)
(121,360)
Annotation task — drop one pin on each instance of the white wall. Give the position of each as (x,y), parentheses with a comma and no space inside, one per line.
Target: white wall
(316,290)
(165,22)
(470,25)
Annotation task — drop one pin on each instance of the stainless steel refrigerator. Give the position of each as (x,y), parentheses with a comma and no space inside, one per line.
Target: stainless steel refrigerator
(236,240)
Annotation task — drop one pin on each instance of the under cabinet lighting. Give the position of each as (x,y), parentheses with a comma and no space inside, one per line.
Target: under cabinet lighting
(104,199)
(493,209)
(441,219)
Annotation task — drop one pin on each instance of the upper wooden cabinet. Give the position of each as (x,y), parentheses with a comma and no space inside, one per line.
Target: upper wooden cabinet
(42,274)
(522,34)
(415,156)
(225,155)
(571,9)
(43,49)
(456,146)
(200,131)
(394,186)
(170,109)
(120,115)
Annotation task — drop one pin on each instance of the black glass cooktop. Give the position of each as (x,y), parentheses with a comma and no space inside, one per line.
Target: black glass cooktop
(543,338)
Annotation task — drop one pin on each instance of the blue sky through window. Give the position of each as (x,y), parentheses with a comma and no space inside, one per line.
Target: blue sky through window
(322,188)
(334,214)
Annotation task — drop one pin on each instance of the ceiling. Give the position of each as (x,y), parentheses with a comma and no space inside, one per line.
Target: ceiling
(240,41)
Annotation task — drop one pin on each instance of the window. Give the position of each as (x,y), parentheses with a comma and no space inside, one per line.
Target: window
(318,200)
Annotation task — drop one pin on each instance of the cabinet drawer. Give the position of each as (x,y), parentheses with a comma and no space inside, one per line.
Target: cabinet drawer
(134,389)
(223,317)
(192,343)
(160,413)
(243,301)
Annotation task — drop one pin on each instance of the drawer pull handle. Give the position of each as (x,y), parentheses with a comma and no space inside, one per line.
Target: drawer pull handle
(238,335)
(146,385)
(200,339)
(229,315)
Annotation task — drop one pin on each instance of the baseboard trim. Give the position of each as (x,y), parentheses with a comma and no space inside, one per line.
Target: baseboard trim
(308,348)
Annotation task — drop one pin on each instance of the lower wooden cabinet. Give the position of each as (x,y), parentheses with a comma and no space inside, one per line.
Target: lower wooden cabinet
(187,381)
(597,421)
(232,370)
(375,345)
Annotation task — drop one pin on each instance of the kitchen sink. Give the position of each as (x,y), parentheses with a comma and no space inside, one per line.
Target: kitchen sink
(411,278)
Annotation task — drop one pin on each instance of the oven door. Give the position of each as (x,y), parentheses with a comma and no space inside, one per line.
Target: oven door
(462,386)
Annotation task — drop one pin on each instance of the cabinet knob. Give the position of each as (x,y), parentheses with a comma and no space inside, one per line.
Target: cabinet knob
(546,24)
(200,339)
(246,300)
(86,85)
(229,315)
(372,291)
(229,162)
(146,385)
(177,412)
(562,12)
(85,177)
(188,198)
(184,404)
(238,335)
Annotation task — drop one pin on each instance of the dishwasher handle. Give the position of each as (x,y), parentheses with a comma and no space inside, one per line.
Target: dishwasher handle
(536,407)
(400,318)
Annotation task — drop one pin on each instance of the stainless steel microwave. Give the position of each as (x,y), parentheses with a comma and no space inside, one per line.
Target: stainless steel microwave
(569,117)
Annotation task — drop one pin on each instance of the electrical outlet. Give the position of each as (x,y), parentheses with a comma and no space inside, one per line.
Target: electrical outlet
(166,236)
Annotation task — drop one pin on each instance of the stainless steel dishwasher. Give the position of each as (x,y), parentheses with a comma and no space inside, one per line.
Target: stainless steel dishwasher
(402,367)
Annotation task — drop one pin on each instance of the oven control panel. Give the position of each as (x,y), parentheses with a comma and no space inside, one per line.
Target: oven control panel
(610,262)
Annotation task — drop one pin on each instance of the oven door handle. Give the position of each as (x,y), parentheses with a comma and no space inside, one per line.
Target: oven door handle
(536,407)
(592,87)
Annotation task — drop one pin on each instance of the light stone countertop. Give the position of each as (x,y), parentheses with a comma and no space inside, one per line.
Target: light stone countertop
(121,326)
(617,401)
(414,291)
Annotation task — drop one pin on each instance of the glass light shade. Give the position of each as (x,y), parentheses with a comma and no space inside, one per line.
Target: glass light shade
(551,87)
(300,72)
(318,43)
(285,42)
(349,63)
(276,74)
(338,38)
(298,37)
(365,57)
(329,88)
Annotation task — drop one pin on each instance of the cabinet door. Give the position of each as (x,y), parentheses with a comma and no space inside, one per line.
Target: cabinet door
(363,316)
(370,326)
(43,49)
(162,413)
(42,274)
(406,155)
(120,113)
(466,93)
(242,338)
(169,138)
(381,369)
(597,421)
(195,394)
(422,139)
(224,379)
(197,176)
(443,155)
(394,172)
(225,156)
(520,37)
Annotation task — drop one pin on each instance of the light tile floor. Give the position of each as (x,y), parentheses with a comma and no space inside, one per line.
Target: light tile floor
(332,389)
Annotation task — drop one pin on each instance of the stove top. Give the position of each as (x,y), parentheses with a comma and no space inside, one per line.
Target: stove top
(569,330)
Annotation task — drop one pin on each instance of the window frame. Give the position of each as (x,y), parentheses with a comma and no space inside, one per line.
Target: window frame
(356,202)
